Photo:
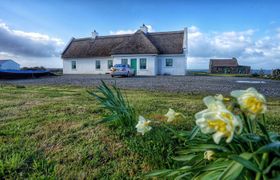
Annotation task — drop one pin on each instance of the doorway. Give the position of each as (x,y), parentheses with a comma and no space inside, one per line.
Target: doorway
(133,64)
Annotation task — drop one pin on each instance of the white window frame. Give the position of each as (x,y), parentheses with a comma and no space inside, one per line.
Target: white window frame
(72,63)
(171,62)
(123,60)
(108,63)
(96,64)
(140,63)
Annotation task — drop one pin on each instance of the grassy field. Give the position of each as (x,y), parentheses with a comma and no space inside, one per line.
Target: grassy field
(49,132)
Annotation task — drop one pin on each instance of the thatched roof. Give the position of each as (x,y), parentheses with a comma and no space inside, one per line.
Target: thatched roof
(137,43)
(224,62)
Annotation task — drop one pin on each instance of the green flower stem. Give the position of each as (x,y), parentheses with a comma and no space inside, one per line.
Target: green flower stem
(262,165)
(174,132)
(244,117)
(248,125)
(183,115)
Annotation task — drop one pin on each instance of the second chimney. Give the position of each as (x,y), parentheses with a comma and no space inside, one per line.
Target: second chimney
(144,28)
(94,34)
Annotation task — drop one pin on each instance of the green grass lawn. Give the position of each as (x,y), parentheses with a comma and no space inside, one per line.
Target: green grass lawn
(48,131)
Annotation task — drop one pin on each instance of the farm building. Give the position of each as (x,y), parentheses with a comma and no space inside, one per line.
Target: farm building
(9,64)
(227,66)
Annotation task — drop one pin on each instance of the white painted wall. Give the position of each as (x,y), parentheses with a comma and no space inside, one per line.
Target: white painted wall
(178,68)
(10,65)
(155,65)
(86,65)
(151,69)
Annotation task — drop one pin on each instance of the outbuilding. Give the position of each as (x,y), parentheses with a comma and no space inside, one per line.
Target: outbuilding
(8,64)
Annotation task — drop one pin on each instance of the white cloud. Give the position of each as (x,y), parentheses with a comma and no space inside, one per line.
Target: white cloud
(130,31)
(263,52)
(28,44)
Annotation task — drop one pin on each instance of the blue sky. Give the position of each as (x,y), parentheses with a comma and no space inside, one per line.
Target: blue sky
(248,30)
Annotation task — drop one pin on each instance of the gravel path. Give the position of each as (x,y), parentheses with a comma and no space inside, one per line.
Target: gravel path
(193,84)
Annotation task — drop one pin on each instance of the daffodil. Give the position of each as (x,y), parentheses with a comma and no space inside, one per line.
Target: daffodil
(143,125)
(217,120)
(250,101)
(208,155)
(220,97)
(171,115)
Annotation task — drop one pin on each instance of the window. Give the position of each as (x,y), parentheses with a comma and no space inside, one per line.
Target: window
(97,64)
(74,66)
(168,62)
(110,64)
(143,63)
(124,61)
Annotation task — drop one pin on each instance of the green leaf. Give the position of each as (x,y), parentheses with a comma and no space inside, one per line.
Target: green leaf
(264,131)
(208,175)
(182,175)
(217,165)
(251,137)
(275,146)
(234,169)
(172,173)
(246,163)
(275,162)
(205,147)
(159,172)
(184,158)
(194,132)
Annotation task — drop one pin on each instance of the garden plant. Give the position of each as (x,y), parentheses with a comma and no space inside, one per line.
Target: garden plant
(230,139)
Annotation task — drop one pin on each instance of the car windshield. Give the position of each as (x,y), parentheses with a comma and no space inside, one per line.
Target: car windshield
(119,65)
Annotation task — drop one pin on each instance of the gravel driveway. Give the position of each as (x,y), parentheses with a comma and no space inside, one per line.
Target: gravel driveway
(193,84)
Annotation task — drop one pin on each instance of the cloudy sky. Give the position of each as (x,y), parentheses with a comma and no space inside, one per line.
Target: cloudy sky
(34,33)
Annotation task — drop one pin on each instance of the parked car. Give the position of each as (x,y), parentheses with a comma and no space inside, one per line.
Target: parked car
(122,70)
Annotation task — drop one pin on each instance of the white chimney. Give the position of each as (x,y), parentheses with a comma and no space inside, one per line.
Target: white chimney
(185,40)
(144,28)
(94,34)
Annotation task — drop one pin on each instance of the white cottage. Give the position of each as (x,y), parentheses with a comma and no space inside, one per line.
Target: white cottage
(150,54)
(8,64)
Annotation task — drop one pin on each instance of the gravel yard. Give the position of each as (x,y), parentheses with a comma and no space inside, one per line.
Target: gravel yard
(192,84)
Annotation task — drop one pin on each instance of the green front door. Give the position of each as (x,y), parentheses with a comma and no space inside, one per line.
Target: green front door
(133,64)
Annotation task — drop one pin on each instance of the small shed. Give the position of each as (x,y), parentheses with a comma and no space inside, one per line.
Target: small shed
(8,64)
(227,66)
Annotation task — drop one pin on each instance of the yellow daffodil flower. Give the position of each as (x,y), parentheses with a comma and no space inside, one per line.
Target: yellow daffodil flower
(208,155)
(143,125)
(217,119)
(250,101)
(171,115)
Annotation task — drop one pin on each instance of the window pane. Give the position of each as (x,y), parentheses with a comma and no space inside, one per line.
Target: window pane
(169,62)
(124,61)
(110,64)
(97,64)
(74,65)
(143,63)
